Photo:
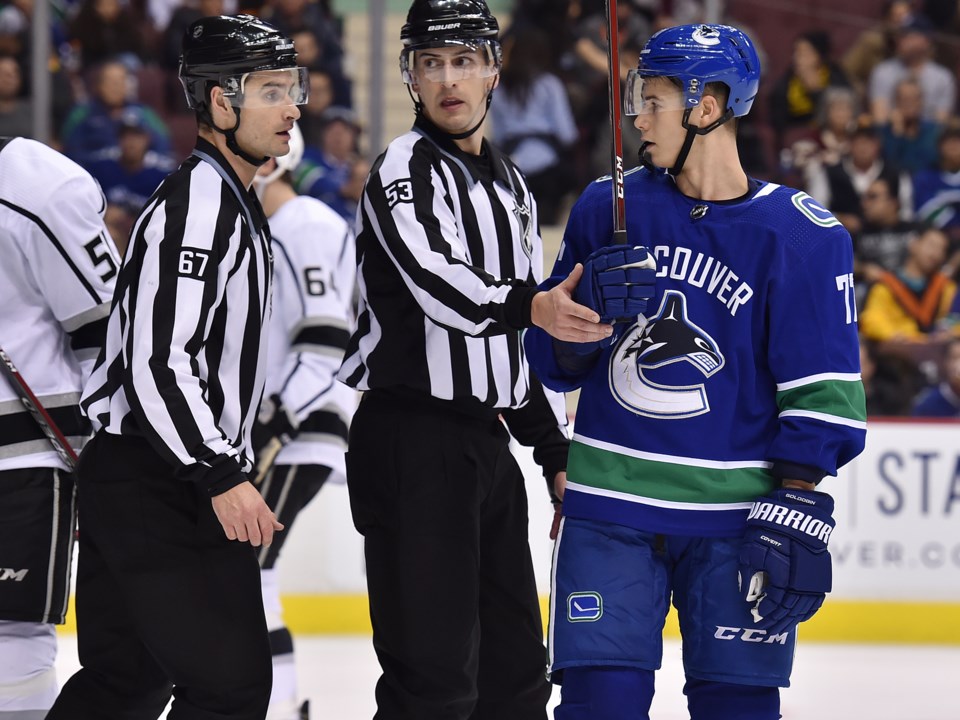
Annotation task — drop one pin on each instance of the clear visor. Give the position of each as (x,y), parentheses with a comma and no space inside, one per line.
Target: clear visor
(267,88)
(643,96)
(452,61)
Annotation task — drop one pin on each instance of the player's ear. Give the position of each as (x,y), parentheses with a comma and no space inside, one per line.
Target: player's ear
(709,110)
(496,82)
(219,103)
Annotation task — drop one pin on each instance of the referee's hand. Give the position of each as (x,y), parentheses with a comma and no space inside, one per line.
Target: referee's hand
(245,516)
(556,312)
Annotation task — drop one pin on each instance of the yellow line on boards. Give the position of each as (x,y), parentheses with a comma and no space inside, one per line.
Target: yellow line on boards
(837,621)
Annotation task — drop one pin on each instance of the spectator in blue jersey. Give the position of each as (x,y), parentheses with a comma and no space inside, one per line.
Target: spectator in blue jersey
(944,399)
(130,173)
(712,412)
(93,128)
(936,195)
(909,139)
(334,172)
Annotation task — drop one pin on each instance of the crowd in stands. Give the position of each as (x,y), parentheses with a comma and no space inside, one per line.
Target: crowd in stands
(870,130)
(119,110)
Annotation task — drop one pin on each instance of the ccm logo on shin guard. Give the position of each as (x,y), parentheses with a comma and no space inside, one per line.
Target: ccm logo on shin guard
(749,635)
(781,515)
(11,574)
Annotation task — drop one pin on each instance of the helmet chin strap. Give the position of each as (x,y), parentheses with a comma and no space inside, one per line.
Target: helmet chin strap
(692,132)
(231,136)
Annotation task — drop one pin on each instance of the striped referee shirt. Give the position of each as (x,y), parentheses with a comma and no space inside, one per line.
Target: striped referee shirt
(183,365)
(449,255)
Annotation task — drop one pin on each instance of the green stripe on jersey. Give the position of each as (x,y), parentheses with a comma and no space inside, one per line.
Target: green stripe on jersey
(660,480)
(841,398)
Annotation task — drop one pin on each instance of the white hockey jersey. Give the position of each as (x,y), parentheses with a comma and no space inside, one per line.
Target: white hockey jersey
(57,275)
(314,277)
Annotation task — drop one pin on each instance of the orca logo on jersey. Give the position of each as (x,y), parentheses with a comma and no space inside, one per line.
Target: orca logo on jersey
(666,339)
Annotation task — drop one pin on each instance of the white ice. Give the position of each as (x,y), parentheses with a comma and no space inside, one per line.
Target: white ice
(830,681)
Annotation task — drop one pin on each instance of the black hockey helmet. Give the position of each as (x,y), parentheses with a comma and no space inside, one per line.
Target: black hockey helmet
(441,23)
(434,21)
(224,51)
(220,48)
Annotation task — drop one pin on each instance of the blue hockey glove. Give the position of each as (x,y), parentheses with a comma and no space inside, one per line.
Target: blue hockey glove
(785,569)
(577,357)
(617,283)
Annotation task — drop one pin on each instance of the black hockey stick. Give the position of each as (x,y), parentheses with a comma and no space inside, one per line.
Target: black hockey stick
(39,413)
(616,152)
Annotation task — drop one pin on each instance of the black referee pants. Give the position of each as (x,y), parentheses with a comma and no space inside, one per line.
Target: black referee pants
(442,507)
(164,601)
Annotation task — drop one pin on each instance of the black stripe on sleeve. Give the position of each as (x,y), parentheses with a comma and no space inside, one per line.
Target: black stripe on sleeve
(326,422)
(322,335)
(89,335)
(21,427)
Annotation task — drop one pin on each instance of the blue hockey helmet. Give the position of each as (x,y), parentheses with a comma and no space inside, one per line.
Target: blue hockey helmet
(696,55)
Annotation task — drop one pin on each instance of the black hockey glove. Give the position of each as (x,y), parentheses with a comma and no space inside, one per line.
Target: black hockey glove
(273,428)
(785,568)
(618,281)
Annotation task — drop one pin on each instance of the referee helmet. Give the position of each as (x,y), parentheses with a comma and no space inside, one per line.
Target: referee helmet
(222,50)
(443,23)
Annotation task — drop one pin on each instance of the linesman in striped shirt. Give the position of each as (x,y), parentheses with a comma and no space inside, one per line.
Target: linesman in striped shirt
(449,256)
(167,600)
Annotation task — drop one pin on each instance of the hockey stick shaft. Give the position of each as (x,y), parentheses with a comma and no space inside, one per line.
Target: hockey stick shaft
(267,456)
(616,130)
(39,413)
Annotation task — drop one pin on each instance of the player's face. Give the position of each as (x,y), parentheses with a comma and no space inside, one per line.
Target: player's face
(265,127)
(661,126)
(453,84)
(265,132)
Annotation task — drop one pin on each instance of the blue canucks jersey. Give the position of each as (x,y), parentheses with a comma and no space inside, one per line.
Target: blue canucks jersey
(746,368)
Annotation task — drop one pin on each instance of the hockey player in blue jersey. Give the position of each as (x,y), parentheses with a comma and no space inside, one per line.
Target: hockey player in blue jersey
(729,389)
